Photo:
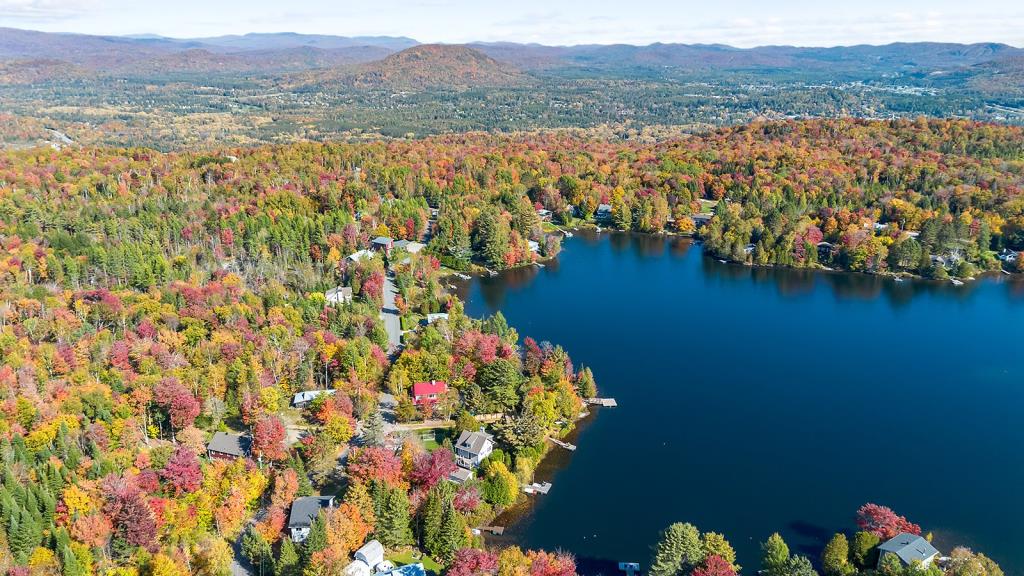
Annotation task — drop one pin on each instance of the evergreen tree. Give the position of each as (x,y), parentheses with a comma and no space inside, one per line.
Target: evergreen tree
(393,522)
(835,557)
(317,539)
(800,566)
(287,560)
(452,535)
(774,555)
(432,518)
(863,552)
(678,550)
(257,550)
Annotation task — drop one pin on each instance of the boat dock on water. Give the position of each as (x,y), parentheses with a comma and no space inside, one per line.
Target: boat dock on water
(605,402)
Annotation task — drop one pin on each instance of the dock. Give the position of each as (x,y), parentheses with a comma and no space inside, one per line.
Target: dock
(606,402)
(496,530)
(536,488)
(566,445)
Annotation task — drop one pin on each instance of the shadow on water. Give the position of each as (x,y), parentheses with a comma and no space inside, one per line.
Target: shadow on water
(813,538)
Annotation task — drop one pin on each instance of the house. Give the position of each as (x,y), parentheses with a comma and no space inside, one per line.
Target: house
(544,215)
(414,247)
(225,446)
(304,512)
(371,554)
(435,316)
(383,244)
(825,250)
(749,249)
(460,476)
(1008,256)
(339,295)
(701,219)
(303,398)
(534,246)
(359,256)
(424,393)
(909,548)
(472,448)
(603,213)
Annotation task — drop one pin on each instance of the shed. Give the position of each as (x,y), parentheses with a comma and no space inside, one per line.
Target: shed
(372,553)
(302,398)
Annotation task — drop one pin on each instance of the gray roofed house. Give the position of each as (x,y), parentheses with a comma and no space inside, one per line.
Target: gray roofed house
(909,548)
(460,476)
(472,448)
(304,511)
(604,212)
(383,243)
(371,553)
(228,446)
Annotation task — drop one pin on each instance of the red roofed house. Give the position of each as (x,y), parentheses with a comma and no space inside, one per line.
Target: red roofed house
(427,392)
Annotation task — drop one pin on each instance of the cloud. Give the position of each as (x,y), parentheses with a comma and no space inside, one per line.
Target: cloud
(44,10)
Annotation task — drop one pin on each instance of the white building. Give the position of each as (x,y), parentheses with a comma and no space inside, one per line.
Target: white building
(472,448)
(339,295)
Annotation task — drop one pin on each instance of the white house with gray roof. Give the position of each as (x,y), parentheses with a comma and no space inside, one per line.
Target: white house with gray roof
(909,548)
(304,512)
(472,448)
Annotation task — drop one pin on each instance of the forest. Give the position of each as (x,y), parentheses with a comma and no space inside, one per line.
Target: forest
(149,300)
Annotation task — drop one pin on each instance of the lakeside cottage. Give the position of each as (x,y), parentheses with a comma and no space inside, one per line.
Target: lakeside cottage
(544,215)
(301,399)
(225,446)
(701,219)
(424,393)
(603,213)
(366,560)
(304,512)
(909,548)
(472,448)
(339,295)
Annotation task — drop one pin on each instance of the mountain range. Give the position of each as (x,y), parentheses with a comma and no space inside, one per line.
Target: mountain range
(368,62)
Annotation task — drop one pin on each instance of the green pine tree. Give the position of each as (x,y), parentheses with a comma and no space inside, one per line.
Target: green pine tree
(288,560)
(774,555)
(317,539)
(432,518)
(678,550)
(452,536)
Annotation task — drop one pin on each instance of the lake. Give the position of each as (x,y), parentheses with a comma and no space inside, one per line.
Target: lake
(758,400)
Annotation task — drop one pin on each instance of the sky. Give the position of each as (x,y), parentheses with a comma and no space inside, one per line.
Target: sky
(742,23)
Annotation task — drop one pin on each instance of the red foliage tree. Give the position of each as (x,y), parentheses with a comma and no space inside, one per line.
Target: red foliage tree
(883,522)
(183,471)
(430,468)
(268,439)
(180,404)
(473,562)
(552,564)
(714,565)
(375,463)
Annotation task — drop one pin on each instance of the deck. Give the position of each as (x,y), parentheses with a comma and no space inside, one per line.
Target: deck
(606,402)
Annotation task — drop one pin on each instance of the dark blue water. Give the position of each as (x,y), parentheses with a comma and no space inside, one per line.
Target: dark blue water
(755,400)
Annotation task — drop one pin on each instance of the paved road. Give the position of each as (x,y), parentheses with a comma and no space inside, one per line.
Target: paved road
(389,314)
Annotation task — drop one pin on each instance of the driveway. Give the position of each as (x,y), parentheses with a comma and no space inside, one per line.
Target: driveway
(389,314)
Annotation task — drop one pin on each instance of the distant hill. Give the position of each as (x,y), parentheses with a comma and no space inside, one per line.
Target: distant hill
(436,66)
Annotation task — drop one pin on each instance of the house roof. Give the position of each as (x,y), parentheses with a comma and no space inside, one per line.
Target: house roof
(360,255)
(460,475)
(472,442)
(427,388)
(435,316)
(909,548)
(231,444)
(305,510)
(309,395)
(414,247)
(384,240)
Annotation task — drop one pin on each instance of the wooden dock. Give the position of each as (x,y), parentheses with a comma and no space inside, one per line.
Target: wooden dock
(496,530)
(536,488)
(606,402)
(566,445)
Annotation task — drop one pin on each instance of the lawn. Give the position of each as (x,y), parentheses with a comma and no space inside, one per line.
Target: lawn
(406,557)
(432,437)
